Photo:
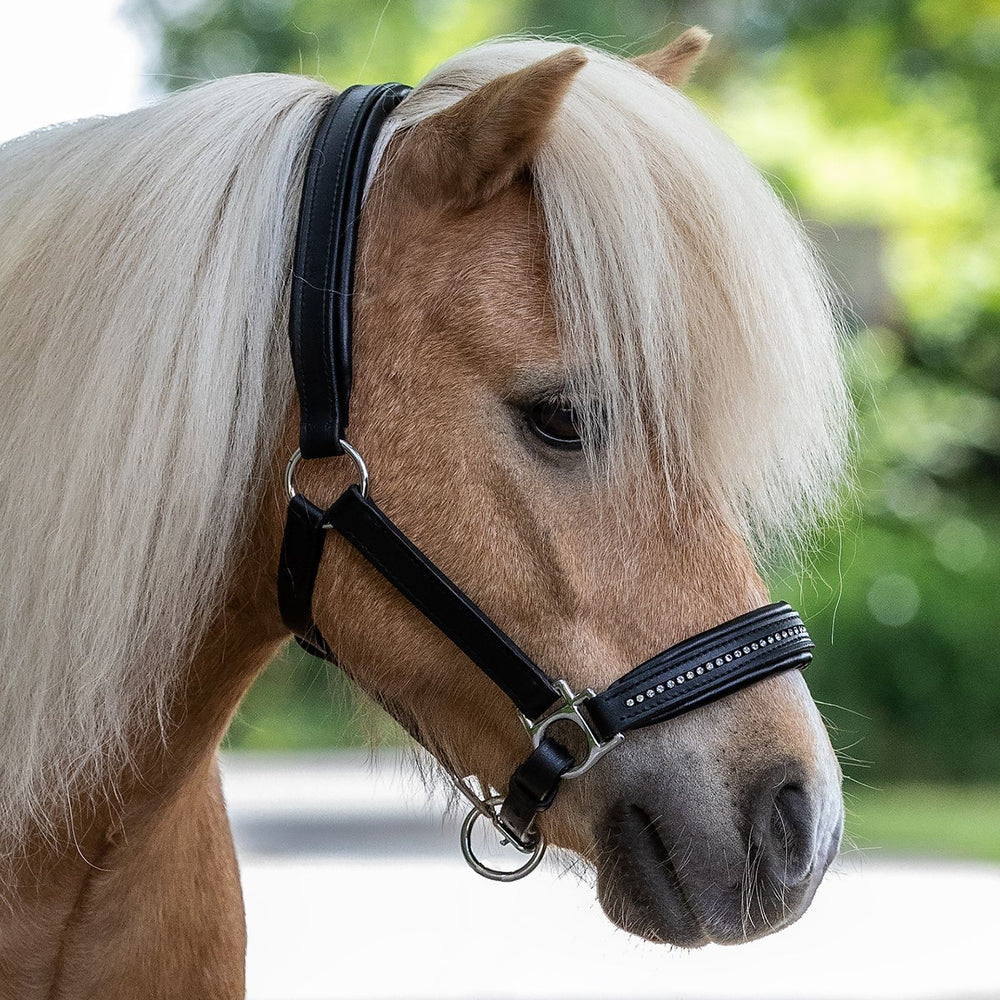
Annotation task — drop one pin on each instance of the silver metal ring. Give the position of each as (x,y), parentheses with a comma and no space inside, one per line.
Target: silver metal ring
(290,474)
(348,450)
(537,851)
(360,463)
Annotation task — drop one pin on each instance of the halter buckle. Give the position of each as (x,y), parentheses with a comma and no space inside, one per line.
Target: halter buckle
(491,812)
(568,710)
(487,807)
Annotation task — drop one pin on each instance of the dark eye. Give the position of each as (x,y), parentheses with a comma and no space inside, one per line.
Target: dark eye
(555,422)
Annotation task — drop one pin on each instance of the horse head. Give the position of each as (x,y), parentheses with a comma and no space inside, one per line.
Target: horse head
(593,359)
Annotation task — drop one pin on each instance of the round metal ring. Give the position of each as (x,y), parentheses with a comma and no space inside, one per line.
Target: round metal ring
(290,474)
(496,874)
(360,463)
(355,456)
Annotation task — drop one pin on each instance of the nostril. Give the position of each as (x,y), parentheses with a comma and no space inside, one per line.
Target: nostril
(791,814)
(783,831)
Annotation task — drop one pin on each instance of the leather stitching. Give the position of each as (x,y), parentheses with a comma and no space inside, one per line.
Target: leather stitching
(696,685)
(332,286)
(702,648)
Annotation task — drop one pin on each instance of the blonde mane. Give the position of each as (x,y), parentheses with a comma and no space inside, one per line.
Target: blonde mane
(144,263)
(143,267)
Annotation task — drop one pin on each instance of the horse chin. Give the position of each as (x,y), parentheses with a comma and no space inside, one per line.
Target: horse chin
(661,916)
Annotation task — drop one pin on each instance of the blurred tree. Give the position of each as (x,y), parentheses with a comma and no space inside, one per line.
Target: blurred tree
(886,114)
(878,118)
(344,42)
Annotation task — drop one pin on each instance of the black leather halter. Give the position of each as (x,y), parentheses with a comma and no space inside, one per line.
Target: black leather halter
(691,673)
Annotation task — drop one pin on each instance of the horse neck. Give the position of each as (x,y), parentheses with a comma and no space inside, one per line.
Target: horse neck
(150,869)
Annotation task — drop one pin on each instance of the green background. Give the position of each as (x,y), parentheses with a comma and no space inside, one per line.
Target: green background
(878,123)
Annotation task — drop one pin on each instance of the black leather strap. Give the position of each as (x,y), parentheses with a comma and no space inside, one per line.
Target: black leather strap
(319,323)
(532,788)
(695,671)
(703,668)
(301,552)
(319,328)
(367,528)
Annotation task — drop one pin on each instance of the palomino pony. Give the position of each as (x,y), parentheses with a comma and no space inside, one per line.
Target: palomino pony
(596,376)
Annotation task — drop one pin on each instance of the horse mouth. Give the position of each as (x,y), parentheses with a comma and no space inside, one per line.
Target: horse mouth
(686,891)
(638,884)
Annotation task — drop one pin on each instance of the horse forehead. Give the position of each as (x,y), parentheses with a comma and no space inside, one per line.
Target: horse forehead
(485,277)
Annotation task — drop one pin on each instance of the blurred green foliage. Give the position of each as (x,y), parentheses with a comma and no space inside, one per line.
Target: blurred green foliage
(301,703)
(925,821)
(877,118)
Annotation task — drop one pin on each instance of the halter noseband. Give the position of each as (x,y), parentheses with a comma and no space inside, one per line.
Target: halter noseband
(691,673)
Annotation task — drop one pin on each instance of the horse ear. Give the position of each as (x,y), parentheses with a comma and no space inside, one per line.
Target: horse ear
(471,151)
(674,63)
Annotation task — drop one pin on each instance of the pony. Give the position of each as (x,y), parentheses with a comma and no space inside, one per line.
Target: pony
(597,379)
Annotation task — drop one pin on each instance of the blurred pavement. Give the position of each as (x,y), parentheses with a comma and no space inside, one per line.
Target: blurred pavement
(355,889)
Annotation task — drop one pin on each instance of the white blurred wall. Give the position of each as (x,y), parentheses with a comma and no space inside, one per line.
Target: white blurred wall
(65,59)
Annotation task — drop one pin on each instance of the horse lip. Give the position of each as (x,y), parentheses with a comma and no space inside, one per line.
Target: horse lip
(639,886)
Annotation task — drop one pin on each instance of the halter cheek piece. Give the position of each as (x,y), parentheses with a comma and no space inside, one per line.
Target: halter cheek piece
(692,673)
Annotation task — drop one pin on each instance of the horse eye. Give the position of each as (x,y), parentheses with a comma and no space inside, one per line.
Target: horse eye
(555,422)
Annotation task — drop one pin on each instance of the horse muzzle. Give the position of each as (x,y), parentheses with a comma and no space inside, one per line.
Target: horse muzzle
(691,849)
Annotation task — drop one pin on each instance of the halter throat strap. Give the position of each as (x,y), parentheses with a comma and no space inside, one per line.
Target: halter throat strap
(691,673)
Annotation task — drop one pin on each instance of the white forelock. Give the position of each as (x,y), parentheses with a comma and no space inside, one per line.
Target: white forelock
(692,308)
